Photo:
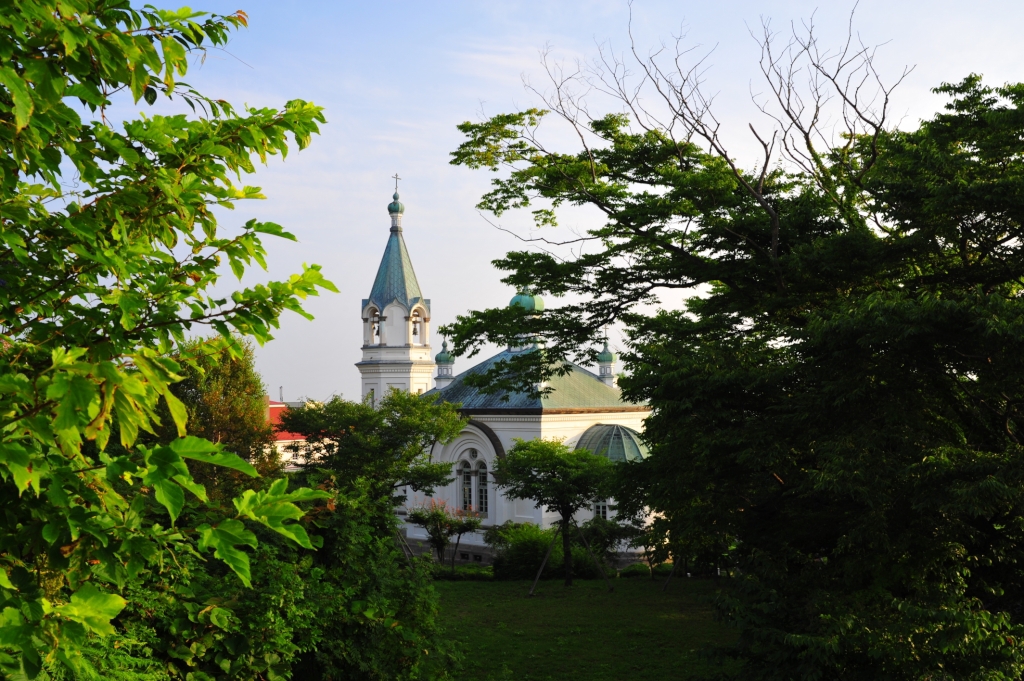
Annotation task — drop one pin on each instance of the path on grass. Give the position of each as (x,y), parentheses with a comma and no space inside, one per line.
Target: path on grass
(583,632)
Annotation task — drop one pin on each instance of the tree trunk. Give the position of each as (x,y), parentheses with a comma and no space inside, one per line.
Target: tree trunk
(455,552)
(566,549)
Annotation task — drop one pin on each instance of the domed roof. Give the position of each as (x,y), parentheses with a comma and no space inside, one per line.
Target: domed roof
(618,443)
(444,357)
(606,356)
(396,206)
(527,300)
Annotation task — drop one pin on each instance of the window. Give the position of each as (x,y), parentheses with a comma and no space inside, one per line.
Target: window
(481,488)
(466,477)
(601,509)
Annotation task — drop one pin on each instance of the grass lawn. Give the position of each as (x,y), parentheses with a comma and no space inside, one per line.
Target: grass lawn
(584,632)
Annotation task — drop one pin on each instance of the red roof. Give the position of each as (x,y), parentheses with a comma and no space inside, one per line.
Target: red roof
(274,410)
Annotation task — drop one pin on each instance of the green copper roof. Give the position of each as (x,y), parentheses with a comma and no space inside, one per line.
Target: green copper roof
(606,356)
(396,279)
(579,389)
(530,301)
(444,357)
(396,206)
(618,443)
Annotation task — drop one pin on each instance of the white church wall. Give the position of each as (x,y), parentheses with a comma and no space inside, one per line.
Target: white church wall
(507,428)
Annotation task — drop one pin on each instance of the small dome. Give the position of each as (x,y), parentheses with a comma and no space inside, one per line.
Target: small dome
(396,206)
(606,356)
(527,300)
(618,443)
(444,357)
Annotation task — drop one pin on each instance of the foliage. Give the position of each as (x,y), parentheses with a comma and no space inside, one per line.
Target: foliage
(471,572)
(100,278)
(387,444)
(519,550)
(353,609)
(561,479)
(375,611)
(843,403)
(443,523)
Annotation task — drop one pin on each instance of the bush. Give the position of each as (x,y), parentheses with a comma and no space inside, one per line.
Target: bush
(464,573)
(636,570)
(519,550)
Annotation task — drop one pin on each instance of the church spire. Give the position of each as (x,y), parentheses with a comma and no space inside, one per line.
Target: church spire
(396,321)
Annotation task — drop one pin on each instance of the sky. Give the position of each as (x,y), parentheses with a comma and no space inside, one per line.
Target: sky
(395,78)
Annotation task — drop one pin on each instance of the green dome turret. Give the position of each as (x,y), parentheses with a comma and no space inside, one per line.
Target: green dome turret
(528,301)
(396,206)
(606,356)
(444,357)
(615,442)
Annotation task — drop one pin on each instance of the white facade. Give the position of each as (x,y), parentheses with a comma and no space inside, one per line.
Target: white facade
(489,436)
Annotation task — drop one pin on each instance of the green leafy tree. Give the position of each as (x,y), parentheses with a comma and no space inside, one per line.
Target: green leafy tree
(100,281)
(226,402)
(843,401)
(443,523)
(560,479)
(387,445)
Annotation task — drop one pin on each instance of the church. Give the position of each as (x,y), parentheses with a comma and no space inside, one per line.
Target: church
(584,409)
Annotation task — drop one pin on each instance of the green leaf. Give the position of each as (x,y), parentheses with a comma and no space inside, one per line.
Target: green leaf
(178,412)
(224,540)
(274,509)
(208,452)
(20,94)
(93,608)
(170,495)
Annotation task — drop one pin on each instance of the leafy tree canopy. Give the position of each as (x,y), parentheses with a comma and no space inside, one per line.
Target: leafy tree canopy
(387,445)
(560,479)
(109,252)
(842,403)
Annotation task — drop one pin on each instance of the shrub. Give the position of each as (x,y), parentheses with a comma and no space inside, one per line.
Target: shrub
(519,551)
(636,570)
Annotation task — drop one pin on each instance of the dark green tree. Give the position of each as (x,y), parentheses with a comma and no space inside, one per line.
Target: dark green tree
(843,400)
(560,479)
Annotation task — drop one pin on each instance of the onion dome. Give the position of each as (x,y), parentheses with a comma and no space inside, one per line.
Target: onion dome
(529,301)
(606,356)
(444,357)
(396,206)
(617,443)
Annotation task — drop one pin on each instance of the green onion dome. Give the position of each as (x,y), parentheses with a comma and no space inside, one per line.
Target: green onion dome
(396,206)
(528,301)
(618,443)
(606,356)
(444,357)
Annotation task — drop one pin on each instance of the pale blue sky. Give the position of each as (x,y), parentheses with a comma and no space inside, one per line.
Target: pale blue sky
(396,77)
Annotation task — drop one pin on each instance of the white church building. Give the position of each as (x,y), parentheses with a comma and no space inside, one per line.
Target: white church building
(583,408)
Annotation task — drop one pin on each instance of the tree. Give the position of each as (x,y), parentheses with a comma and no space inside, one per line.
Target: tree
(387,445)
(225,400)
(109,254)
(842,404)
(441,524)
(562,480)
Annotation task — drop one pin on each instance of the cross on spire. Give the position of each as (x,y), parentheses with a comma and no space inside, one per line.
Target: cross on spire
(396,178)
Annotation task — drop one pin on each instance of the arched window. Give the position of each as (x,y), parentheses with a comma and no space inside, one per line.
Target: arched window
(481,488)
(374,327)
(466,480)
(601,509)
(417,328)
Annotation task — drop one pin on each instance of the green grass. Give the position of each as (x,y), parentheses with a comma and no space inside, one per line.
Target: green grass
(584,632)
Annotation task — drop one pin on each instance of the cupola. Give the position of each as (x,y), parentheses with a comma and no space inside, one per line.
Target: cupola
(606,364)
(444,362)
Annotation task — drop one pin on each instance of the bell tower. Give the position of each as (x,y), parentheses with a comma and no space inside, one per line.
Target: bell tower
(396,322)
